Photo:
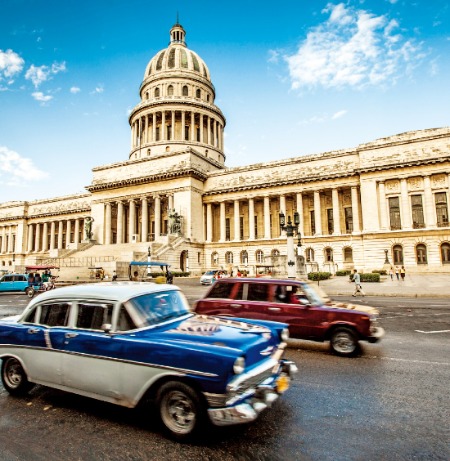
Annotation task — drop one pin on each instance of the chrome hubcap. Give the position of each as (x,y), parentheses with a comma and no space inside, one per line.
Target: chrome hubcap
(342,342)
(178,412)
(13,373)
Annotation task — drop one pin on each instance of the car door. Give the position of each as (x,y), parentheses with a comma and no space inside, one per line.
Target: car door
(7,283)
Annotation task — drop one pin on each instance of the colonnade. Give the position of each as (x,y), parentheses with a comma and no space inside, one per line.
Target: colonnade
(7,238)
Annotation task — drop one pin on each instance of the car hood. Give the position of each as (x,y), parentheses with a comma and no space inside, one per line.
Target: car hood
(353,307)
(11,318)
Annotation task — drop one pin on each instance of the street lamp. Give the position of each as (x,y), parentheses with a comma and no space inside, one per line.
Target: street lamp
(291,229)
(386,257)
(149,255)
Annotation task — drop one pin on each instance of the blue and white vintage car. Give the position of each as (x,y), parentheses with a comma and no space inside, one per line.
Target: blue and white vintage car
(133,343)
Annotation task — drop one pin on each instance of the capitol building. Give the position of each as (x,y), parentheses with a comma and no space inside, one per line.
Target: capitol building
(174,200)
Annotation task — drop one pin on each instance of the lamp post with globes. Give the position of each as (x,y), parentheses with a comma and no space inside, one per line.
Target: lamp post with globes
(291,228)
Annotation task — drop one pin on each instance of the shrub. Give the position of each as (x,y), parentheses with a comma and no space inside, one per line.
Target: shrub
(380,271)
(319,276)
(343,273)
(155,275)
(374,277)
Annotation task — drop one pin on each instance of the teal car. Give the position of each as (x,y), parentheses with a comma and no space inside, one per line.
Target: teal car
(13,282)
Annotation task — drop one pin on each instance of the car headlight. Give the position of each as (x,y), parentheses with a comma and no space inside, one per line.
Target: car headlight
(239,365)
(284,334)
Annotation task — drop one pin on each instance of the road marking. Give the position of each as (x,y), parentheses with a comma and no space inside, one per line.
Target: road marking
(429,332)
(425,362)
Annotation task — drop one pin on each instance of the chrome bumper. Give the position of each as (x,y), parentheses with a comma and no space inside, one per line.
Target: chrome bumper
(262,397)
(376,335)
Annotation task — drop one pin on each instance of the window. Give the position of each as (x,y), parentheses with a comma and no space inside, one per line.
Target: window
(244,257)
(221,291)
(186,132)
(184,60)
(227,229)
(157,133)
(170,90)
(421,254)
(256,227)
(185,90)
(241,227)
(171,60)
(259,255)
(313,222)
(348,255)
(54,315)
(330,221)
(125,322)
(394,213)
(229,257)
(198,94)
(397,251)
(258,291)
(348,220)
(157,92)
(275,253)
(441,209)
(93,316)
(214,259)
(159,62)
(309,255)
(417,212)
(328,253)
(195,62)
(445,253)
(169,132)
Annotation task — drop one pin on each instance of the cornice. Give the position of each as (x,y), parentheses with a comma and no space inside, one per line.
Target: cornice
(394,166)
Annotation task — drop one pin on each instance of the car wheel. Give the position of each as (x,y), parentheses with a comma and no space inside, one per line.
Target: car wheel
(344,342)
(30,292)
(180,409)
(14,378)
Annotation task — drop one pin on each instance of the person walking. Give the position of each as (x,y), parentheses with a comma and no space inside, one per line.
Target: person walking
(357,282)
(402,273)
(397,272)
(391,273)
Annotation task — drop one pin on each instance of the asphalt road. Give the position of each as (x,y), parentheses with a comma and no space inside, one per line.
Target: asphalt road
(390,403)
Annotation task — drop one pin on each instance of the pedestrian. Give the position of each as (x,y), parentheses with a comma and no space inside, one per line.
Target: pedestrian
(169,277)
(114,277)
(402,273)
(37,279)
(397,272)
(357,282)
(135,277)
(30,279)
(391,273)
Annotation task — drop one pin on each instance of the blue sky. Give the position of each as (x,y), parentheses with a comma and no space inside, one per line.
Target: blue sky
(292,78)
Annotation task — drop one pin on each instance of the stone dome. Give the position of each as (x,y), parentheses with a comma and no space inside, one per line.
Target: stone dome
(177,57)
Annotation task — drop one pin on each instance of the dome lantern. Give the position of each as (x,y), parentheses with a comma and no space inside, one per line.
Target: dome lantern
(177,34)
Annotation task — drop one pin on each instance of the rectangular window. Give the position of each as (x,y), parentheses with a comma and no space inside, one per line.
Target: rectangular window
(186,132)
(256,227)
(227,229)
(169,132)
(441,209)
(93,316)
(157,133)
(348,220)
(394,213)
(258,292)
(330,221)
(417,212)
(54,315)
(241,227)
(313,222)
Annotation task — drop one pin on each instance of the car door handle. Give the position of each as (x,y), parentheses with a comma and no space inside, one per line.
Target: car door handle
(71,335)
(274,309)
(32,331)
(235,305)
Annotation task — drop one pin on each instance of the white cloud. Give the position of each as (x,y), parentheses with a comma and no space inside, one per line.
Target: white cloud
(75,90)
(14,169)
(322,118)
(39,96)
(10,65)
(338,114)
(99,89)
(40,74)
(352,48)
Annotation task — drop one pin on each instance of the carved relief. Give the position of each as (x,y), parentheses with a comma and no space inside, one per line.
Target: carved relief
(347,198)
(328,200)
(415,183)
(438,180)
(393,185)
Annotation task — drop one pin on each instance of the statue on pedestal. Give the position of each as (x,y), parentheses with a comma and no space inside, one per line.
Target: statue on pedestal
(88,227)
(174,222)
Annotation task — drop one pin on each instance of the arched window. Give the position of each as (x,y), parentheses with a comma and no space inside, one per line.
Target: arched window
(198,94)
(229,257)
(328,254)
(214,259)
(170,90)
(157,92)
(171,60)
(397,253)
(421,254)
(160,60)
(275,253)
(348,255)
(309,252)
(244,257)
(259,255)
(445,253)
(195,62)
(208,98)
(184,59)
(185,90)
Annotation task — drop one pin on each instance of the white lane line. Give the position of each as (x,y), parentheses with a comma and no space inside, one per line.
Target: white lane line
(430,332)
(425,362)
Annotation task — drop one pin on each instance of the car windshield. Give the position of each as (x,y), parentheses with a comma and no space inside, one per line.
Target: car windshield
(313,296)
(155,308)
(209,272)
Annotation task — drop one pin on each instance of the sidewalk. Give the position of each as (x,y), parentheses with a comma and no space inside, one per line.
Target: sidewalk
(414,285)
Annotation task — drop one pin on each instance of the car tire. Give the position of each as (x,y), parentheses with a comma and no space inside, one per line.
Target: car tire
(344,342)
(14,378)
(180,410)
(29,292)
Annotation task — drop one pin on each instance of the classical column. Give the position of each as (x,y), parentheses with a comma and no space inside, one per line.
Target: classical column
(157,216)
(60,235)
(144,219)
(251,218)
(201,127)
(383,205)
(52,235)
(131,220)
(76,236)
(173,126)
(355,210)
(209,130)
(10,240)
(336,211)
(107,223)
(430,207)
(267,233)
(405,208)
(301,226)
(30,240)
(146,130)
(170,201)
(283,210)
(68,229)
(45,236)
(215,133)
(163,126)
(37,238)
(222,222)
(317,213)
(154,126)
(237,222)
(183,125)
(3,247)
(119,222)
(209,222)
(192,126)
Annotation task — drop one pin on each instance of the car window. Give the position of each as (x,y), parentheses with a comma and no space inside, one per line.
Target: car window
(7,278)
(221,290)
(54,315)
(92,316)
(19,278)
(125,322)
(258,292)
(30,318)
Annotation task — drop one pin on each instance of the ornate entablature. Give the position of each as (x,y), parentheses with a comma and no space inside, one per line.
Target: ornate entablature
(392,186)
(415,183)
(438,180)
(60,208)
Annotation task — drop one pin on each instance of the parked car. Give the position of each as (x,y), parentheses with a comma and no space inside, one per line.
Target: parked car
(209,277)
(135,343)
(14,282)
(308,314)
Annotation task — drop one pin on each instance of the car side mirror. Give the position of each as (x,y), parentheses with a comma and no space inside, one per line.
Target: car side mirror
(107,327)
(304,302)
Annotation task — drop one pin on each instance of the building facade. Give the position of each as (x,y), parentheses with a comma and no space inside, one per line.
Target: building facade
(174,200)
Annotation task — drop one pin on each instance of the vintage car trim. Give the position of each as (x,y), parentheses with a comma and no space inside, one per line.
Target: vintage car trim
(376,333)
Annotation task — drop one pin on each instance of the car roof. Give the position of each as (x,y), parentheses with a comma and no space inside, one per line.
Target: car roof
(260,280)
(117,291)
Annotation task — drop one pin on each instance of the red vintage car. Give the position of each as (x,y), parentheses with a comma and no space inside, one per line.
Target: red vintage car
(308,313)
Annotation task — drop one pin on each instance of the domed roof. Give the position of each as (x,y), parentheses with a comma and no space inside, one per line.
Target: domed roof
(177,57)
